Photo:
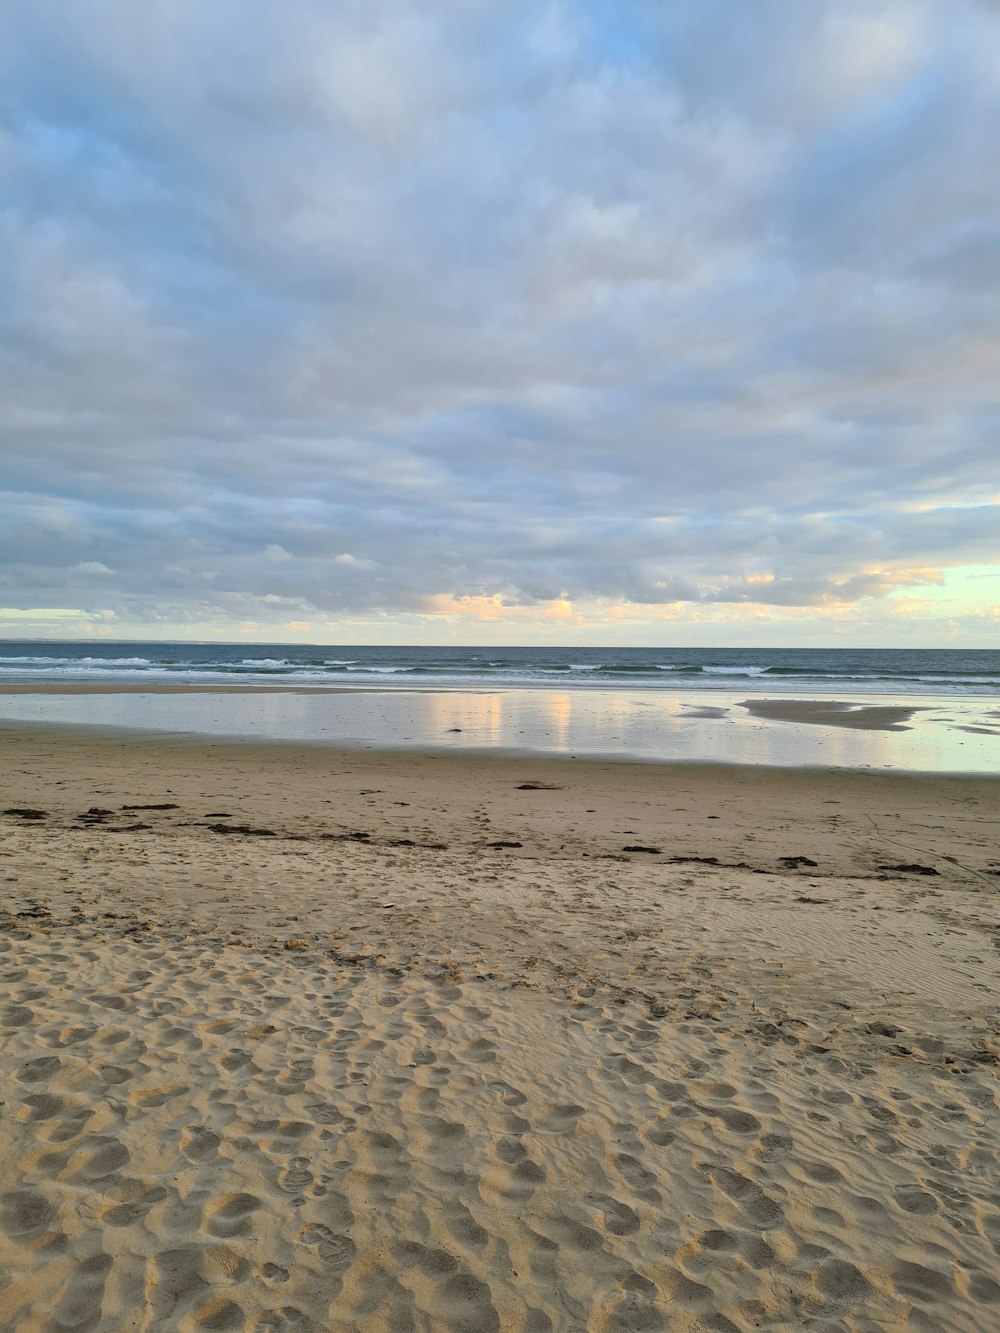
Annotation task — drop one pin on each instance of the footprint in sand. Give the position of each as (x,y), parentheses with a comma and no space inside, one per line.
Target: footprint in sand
(325,1113)
(518,1175)
(335,1249)
(99,1158)
(230,1215)
(198,1143)
(641,1182)
(41,1106)
(466,1230)
(463,1301)
(924,1285)
(758,1207)
(615,1216)
(912,1199)
(219,1313)
(26,1215)
(295,1178)
(80,1305)
(131,1210)
(838,1280)
(16,1016)
(288,1318)
(34,1071)
(562,1118)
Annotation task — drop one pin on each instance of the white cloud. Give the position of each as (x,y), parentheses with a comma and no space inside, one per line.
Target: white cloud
(92,567)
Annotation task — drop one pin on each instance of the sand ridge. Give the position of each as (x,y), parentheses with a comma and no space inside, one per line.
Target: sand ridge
(856,714)
(466,1063)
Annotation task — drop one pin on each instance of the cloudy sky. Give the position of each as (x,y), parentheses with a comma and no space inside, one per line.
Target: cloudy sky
(609,321)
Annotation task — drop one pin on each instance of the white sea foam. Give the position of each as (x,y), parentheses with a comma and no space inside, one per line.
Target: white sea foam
(70,663)
(734,670)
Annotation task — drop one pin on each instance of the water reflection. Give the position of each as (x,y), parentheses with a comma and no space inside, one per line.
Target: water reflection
(625,723)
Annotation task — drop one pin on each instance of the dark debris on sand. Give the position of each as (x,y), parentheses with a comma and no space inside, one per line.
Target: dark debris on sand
(911,869)
(241,830)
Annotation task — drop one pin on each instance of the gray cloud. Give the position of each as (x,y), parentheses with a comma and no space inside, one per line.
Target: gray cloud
(313,313)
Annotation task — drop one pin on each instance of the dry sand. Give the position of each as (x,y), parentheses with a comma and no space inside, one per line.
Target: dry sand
(368,1041)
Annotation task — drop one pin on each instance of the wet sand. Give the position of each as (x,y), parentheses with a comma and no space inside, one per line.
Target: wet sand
(920,733)
(296,1037)
(102,687)
(836,713)
(817,712)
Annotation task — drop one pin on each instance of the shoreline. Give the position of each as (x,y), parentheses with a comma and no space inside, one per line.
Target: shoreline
(488,755)
(884,732)
(493,1042)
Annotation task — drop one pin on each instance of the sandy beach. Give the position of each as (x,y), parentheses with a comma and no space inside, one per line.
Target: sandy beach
(500,667)
(304,1038)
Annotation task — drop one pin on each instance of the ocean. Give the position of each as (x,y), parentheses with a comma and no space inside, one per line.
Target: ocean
(964,672)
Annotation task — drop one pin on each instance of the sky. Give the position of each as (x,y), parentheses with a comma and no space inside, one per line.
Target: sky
(501,321)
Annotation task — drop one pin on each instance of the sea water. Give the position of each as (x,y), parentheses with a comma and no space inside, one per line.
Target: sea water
(947,671)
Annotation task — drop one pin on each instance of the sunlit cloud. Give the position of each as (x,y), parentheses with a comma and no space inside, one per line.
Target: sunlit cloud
(495,609)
